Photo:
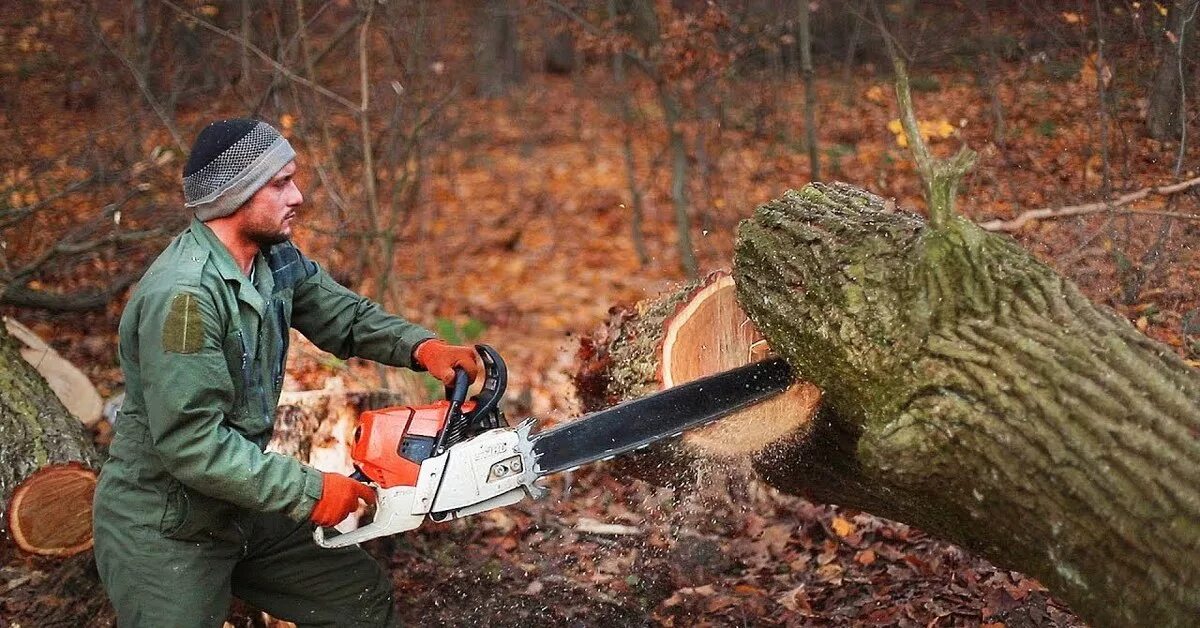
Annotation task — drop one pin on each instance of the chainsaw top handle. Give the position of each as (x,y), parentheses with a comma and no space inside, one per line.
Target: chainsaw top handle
(486,413)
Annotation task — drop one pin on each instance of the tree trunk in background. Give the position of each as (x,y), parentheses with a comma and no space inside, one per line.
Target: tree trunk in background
(636,206)
(1164,120)
(558,48)
(498,56)
(644,25)
(810,94)
(35,429)
(971,391)
(679,181)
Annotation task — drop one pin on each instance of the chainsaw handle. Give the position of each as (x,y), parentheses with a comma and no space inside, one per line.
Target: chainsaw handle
(457,392)
(486,413)
(455,425)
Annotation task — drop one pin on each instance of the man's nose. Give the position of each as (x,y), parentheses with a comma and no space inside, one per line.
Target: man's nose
(295,197)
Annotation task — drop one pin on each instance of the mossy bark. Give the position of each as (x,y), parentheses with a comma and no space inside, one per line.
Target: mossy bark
(35,428)
(972,391)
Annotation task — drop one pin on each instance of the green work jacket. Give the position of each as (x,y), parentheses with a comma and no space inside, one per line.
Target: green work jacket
(203,350)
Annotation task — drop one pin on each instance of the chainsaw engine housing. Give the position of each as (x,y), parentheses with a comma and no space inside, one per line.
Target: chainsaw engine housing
(391,443)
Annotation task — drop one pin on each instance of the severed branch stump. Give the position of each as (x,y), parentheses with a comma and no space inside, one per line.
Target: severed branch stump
(972,391)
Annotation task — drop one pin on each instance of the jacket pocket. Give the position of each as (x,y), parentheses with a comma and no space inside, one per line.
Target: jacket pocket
(189,515)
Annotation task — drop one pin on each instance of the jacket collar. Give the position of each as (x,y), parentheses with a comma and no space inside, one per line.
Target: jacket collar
(229,271)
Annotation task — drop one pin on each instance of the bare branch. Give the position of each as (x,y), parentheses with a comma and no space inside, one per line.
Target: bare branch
(1094,208)
(264,56)
(66,248)
(140,79)
(940,176)
(26,297)
(13,216)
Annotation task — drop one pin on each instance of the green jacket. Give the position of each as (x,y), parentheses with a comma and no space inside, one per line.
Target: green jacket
(203,350)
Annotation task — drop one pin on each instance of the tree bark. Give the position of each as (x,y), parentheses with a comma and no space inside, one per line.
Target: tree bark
(35,429)
(972,391)
(1165,117)
(498,57)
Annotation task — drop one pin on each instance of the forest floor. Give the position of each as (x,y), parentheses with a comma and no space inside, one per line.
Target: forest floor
(540,250)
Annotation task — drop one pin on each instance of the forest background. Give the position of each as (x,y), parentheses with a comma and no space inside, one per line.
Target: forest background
(509,170)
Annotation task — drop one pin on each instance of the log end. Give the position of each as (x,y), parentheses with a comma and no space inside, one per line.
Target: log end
(710,333)
(50,512)
(696,331)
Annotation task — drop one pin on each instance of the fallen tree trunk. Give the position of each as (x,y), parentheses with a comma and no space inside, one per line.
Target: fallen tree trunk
(972,391)
(48,461)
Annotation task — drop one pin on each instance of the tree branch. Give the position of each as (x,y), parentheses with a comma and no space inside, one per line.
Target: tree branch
(264,56)
(12,216)
(1094,208)
(25,297)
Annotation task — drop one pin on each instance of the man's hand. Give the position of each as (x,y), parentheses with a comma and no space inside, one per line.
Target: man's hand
(439,358)
(339,498)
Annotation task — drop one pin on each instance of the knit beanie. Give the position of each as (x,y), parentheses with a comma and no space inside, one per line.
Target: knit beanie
(230,161)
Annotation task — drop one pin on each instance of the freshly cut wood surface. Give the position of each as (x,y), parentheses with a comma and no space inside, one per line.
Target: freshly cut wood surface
(50,512)
(709,334)
(695,331)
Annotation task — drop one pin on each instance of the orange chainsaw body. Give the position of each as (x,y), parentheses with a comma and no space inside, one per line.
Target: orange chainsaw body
(391,443)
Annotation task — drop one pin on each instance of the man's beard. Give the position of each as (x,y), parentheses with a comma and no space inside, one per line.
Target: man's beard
(265,238)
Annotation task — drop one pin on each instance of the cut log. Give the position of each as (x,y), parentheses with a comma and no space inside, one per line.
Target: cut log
(36,432)
(697,331)
(37,519)
(972,391)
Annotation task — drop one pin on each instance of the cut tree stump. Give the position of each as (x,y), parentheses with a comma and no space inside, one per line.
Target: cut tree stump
(38,433)
(696,331)
(50,512)
(972,391)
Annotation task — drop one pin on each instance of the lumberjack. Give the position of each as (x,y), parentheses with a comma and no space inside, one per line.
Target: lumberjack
(190,510)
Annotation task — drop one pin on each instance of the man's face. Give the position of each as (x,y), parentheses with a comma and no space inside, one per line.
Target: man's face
(268,214)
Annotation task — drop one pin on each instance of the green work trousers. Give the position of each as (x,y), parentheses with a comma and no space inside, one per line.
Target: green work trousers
(156,581)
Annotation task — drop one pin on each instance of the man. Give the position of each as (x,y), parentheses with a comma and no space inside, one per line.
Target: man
(190,510)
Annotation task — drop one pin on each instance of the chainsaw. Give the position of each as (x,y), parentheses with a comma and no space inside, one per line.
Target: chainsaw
(459,457)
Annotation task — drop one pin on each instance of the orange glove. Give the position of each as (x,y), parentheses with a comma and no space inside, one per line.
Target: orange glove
(339,498)
(439,358)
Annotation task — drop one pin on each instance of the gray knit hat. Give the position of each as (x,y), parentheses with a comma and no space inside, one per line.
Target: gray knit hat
(229,162)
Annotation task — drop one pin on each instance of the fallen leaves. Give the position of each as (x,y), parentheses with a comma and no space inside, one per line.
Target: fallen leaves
(929,130)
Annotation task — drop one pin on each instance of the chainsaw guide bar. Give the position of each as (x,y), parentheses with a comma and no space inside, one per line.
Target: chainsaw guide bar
(640,422)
